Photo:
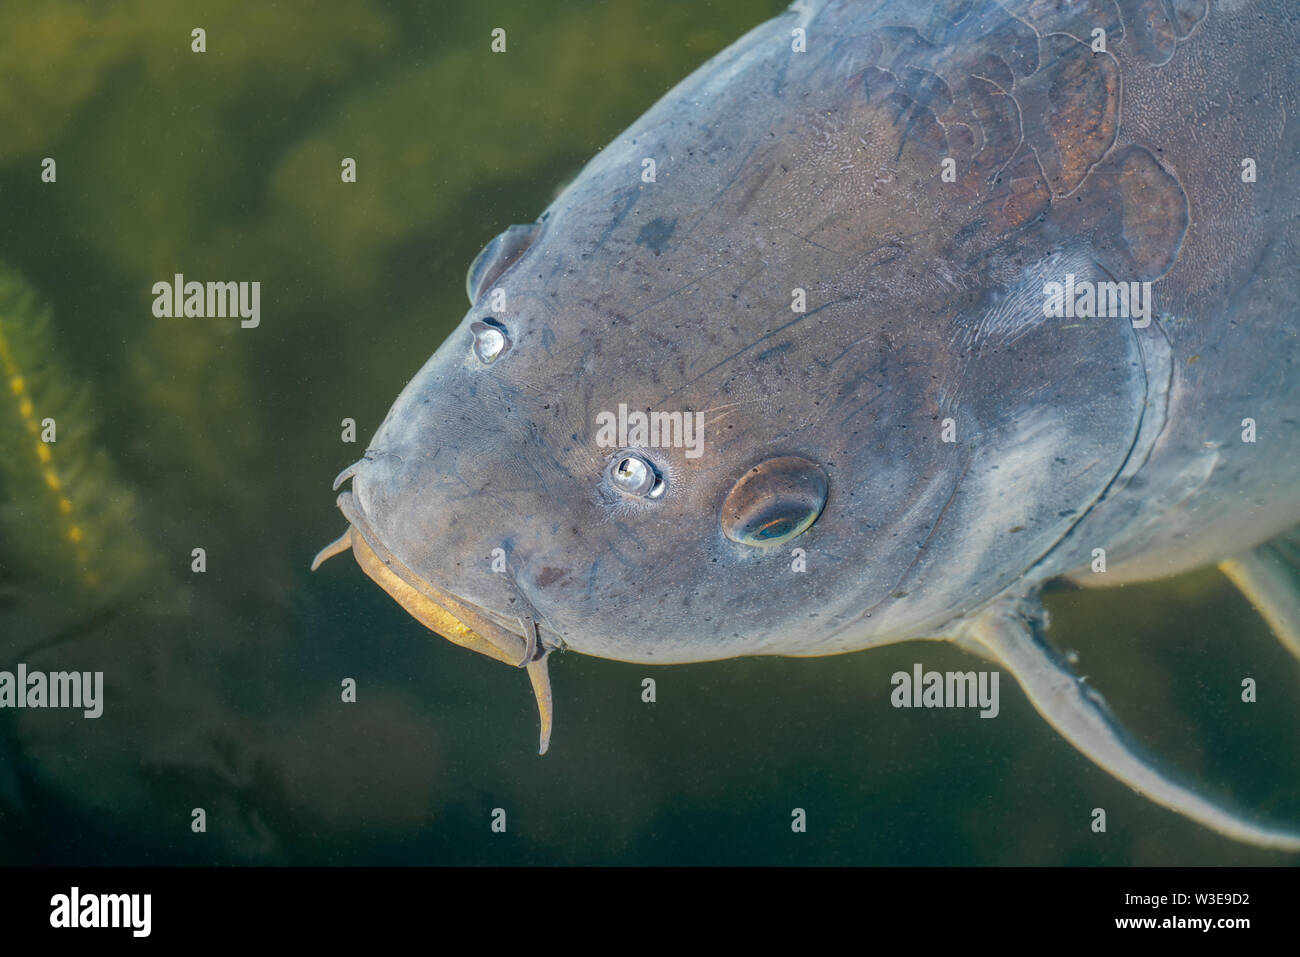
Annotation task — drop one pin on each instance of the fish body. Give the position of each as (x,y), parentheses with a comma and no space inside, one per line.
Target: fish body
(960,298)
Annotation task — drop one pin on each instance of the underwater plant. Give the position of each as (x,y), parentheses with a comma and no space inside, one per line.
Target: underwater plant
(65,514)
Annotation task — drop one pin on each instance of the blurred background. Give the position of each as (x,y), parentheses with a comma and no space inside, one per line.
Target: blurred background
(223,688)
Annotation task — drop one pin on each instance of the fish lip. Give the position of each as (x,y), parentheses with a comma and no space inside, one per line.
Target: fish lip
(486,620)
(461,623)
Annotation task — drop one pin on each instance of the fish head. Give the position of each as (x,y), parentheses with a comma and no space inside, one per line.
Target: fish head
(566,473)
(775,393)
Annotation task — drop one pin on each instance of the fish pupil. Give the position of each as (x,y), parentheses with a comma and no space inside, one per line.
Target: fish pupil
(775,528)
(630,473)
(490,343)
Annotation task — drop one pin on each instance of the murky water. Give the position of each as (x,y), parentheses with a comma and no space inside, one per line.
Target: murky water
(223,688)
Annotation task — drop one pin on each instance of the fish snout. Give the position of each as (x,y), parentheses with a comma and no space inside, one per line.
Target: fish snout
(492,633)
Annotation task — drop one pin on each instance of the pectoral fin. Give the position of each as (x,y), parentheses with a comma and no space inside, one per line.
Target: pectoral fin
(1006,634)
(1269,576)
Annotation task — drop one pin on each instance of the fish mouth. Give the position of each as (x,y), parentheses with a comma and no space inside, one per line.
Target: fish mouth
(455,619)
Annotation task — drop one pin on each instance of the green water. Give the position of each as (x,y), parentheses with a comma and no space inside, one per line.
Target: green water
(224,687)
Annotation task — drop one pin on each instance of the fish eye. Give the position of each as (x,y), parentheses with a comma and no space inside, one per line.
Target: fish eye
(498,256)
(635,475)
(490,340)
(774,501)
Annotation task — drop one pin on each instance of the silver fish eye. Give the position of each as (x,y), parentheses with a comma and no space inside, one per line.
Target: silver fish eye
(490,341)
(774,501)
(633,474)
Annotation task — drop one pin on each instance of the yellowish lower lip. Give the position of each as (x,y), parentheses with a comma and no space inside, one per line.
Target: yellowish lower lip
(444,614)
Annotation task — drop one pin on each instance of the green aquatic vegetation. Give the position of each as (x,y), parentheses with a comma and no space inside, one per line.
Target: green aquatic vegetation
(63,61)
(162,153)
(65,515)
